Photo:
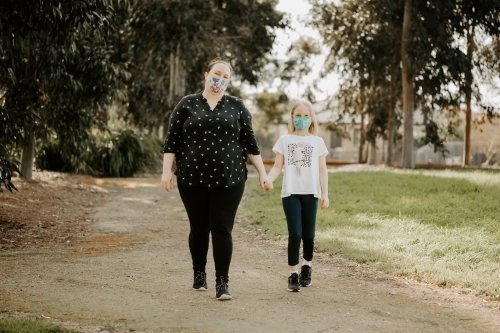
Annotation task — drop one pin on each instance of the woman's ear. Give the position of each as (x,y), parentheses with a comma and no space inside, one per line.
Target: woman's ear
(206,75)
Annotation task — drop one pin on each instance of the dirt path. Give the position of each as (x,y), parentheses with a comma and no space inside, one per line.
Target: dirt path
(134,275)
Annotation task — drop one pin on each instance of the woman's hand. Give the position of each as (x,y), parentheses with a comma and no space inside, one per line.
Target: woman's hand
(325,202)
(167,180)
(265,183)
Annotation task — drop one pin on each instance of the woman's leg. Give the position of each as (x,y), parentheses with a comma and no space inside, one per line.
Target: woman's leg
(223,204)
(309,211)
(195,199)
(293,212)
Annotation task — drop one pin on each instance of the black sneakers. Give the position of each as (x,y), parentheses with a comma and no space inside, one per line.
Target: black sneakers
(305,276)
(200,281)
(293,282)
(222,289)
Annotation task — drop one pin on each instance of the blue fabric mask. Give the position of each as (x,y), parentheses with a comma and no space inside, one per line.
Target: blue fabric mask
(302,123)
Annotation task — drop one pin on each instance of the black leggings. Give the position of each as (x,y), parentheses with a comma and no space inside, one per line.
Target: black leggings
(211,210)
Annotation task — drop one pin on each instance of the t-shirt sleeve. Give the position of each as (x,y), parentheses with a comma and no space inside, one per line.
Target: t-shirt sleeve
(278,147)
(322,147)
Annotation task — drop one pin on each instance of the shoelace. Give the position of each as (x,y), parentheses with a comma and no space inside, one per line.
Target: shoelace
(222,285)
(200,277)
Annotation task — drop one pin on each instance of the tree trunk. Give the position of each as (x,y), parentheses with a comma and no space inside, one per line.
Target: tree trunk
(28,155)
(170,99)
(372,153)
(177,85)
(408,90)
(391,122)
(362,139)
(468,97)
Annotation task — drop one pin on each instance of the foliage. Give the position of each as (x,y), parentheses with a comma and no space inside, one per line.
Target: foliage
(273,105)
(111,154)
(126,153)
(56,71)
(158,31)
(436,226)
(21,325)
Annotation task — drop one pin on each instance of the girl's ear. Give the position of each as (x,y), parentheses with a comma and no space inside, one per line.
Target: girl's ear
(206,74)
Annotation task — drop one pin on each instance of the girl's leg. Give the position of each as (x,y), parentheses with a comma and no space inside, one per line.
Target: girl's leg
(293,212)
(195,199)
(309,211)
(223,204)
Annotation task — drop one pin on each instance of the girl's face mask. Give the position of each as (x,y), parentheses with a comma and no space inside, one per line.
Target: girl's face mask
(217,85)
(302,123)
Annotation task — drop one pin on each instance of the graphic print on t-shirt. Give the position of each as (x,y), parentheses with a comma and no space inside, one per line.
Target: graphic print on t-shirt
(300,155)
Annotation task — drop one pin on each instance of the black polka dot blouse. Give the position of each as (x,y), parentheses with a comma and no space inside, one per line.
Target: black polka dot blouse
(210,146)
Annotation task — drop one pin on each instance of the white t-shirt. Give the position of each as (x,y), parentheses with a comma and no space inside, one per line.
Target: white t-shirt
(301,163)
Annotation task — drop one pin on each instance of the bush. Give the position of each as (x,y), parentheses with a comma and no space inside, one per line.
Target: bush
(118,154)
(126,153)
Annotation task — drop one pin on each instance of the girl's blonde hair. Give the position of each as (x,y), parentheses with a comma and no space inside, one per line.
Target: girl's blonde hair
(313,129)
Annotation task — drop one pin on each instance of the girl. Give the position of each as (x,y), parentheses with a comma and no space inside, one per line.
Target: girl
(302,155)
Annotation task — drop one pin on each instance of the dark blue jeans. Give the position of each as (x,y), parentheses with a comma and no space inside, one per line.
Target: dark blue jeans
(300,211)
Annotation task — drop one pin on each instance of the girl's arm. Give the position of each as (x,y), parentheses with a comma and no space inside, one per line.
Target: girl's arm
(323,180)
(256,160)
(277,167)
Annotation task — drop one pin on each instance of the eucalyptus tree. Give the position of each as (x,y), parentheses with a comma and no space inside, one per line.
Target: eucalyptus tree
(363,38)
(56,72)
(171,41)
(478,18)
(431,61)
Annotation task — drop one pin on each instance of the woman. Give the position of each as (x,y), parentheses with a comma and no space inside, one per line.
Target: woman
(210,137)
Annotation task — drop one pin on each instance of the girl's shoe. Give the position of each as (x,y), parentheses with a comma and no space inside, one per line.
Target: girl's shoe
(305,276)
(293,283)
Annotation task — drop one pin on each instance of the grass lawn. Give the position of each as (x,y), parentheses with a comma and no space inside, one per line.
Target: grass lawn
(441,227)
(20,325)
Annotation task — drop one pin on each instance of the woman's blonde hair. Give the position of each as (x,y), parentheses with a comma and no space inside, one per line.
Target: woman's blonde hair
(313,129)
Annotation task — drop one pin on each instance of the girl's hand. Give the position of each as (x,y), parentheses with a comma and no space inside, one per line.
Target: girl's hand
(265,183)
(325,202)
(268,186)
(167,180)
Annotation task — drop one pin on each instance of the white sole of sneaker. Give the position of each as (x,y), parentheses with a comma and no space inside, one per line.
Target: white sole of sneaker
(201,289)
(293,290)
(224,297)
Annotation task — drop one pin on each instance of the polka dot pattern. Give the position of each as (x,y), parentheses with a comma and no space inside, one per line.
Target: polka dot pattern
(210,146)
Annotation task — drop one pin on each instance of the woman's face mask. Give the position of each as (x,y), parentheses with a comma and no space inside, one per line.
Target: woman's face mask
(217,85)
(301,122)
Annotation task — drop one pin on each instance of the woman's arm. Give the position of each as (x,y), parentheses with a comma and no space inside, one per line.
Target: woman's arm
(167,177)
(323,180)
(264,182)
(277,167)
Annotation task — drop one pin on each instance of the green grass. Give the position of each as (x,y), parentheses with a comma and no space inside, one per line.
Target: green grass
(20,325)
(441,227)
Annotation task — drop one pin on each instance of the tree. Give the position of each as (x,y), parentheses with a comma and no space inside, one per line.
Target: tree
(169,48)
(481,17)
(363,38)
(56,72)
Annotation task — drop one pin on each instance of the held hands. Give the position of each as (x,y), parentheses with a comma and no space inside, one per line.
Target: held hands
(265,183)
(167,180)
(325,202)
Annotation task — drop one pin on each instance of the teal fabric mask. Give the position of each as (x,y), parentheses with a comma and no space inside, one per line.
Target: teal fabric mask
(302,123)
